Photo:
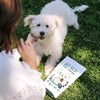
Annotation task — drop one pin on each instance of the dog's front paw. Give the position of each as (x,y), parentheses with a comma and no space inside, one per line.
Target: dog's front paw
(48,70)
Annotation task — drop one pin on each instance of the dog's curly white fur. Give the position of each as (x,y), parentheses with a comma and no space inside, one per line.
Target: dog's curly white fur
(51,27)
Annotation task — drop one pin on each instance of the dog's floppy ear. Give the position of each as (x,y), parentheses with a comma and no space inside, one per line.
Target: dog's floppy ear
(28,19)
(58,20)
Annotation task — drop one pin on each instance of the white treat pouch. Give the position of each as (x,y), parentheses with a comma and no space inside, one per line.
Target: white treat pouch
(65,73)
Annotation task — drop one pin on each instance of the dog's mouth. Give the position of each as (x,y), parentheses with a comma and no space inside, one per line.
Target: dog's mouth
(41,37)
(38,37)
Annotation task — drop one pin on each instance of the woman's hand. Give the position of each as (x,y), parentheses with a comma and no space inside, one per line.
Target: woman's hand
(27,51)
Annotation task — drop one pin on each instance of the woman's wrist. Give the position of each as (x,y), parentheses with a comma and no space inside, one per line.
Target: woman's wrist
(33,66)
(29,65)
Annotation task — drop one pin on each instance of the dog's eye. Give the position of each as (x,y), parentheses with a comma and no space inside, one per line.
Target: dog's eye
(38,24)
(47,26)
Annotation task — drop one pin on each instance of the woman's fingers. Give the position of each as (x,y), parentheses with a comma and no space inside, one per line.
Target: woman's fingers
(29,39)
(18,46)
(22,44)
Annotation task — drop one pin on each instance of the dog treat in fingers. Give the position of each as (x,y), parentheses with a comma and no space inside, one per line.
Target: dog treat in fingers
(31,38)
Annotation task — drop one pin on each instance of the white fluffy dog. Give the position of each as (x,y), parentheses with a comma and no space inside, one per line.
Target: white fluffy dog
(50,27)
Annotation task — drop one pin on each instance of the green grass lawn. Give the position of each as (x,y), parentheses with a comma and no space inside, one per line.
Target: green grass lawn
(82,45)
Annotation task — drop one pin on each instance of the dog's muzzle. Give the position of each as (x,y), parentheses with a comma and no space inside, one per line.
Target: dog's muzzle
(39,37)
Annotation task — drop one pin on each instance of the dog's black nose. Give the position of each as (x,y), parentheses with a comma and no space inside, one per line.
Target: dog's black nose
(42,33)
